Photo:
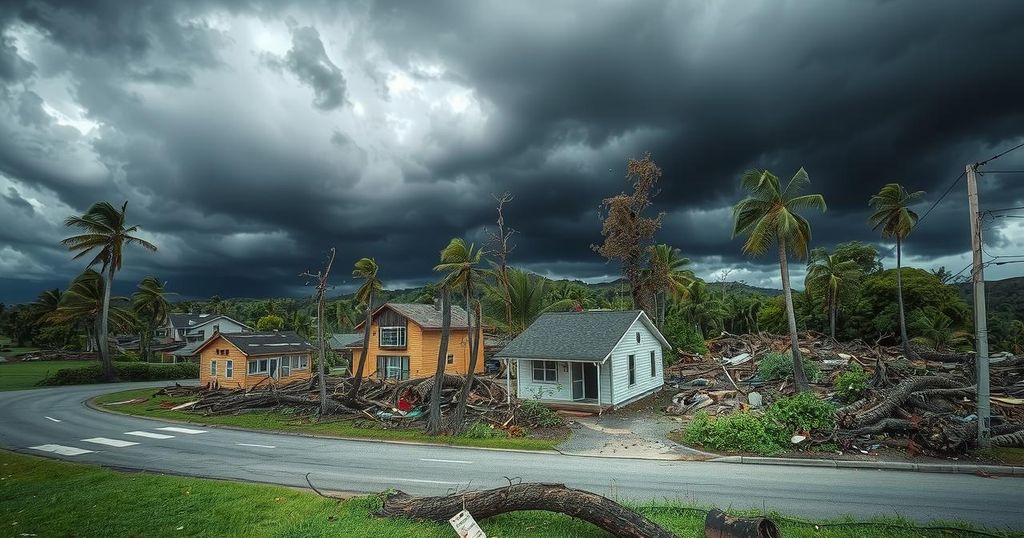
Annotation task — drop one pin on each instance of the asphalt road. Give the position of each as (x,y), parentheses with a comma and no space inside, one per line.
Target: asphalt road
(56,419)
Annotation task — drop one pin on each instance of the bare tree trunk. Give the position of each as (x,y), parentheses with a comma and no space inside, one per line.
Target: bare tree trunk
(899,299)
(459,420)
(321,320)
(358,378)
(590,507)
(434,423)
(109,374)
(832,320)
(799,377)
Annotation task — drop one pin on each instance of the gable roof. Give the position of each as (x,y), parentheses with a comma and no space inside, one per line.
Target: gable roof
(342,340)
(425,315)
(580,336)
(189,321)
(265,343)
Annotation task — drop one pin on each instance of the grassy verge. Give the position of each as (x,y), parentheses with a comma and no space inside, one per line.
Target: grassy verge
(300,424)
(25,375)
(7,344)
(44,498)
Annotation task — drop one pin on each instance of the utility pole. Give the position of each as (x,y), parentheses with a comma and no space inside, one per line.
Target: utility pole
(980,313)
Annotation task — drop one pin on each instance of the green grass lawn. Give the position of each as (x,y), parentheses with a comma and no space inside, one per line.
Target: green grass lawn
(40,497)
(25,375)
(5,343)
(300,424)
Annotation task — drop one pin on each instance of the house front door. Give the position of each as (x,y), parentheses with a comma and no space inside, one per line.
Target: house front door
(578,382)
(274,373)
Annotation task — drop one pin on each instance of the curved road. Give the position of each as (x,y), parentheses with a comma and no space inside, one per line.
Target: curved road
(57,423)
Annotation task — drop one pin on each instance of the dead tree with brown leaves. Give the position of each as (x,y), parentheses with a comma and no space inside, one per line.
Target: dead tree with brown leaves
(321,289)
(628,234)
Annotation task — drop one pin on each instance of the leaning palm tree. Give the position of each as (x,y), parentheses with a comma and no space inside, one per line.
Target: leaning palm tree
(46,305)
(149,303)
(832,277)
(669,277)
(769,215)
(461,260)
(365,269)
(82,304)
(895,219)
(105,233)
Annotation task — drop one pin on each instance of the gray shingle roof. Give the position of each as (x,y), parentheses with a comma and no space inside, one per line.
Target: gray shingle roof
(185,321)
(426,316)
(589,336)
(189,350)
(268,342)
(341,340)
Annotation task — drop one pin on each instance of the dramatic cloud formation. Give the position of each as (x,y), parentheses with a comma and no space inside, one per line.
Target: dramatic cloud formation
(250,137)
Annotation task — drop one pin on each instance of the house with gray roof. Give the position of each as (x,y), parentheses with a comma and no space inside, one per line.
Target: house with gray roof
(192,328)
(599,359)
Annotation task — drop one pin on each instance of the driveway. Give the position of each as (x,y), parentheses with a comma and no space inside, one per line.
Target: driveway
(55,423)
(631,435)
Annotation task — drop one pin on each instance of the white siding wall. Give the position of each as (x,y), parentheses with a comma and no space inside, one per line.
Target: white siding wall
(530,390)
(622,391)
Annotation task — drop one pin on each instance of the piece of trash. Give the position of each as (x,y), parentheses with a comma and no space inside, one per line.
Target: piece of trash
(797,439)
(465,526)
(755,399)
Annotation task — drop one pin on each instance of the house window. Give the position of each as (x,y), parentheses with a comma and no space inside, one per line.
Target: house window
(259,366)
(451,358)
(286,366)
(229,369)
(392,337)
(222,352)
(638,338)
(632,369)
(213,367)
(545,371)
(654,363)
(160,333)
(392,367)
(303,361)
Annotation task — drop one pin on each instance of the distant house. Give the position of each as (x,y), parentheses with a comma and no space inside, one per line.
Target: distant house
(198,327)
(244,360)
(344,344)
(405,339)
(601,359)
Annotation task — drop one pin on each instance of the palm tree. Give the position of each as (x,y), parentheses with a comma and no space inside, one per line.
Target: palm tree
(936,330)
(831,276)
(434,423)
(46,305)
(150,306)
(668,277)
(769,214)
(895,219)
(365,269)
(702,307)
(526,300)
(82,303)
(460,261)
(346,314)
(573,292)
(105,232)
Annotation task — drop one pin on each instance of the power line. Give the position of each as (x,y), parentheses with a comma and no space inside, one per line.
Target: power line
(994,157)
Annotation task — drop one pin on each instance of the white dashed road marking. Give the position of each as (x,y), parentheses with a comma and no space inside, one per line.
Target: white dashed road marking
(257,446)
(181,430)
(425,481)
(150,435)
(51,418)
(446,461)
(109,442)
(61,449)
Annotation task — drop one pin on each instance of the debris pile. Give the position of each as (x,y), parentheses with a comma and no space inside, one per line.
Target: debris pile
(923,404)
(387,403)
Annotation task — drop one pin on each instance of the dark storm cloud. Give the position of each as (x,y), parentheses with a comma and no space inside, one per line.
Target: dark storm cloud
(420,111)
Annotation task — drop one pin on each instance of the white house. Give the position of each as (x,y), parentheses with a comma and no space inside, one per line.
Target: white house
(604,359)
(198,327)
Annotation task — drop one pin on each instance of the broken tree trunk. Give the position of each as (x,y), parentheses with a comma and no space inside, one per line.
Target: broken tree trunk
(600,511)
(718,524)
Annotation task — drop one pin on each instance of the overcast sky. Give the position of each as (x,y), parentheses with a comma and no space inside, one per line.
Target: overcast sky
(250,137)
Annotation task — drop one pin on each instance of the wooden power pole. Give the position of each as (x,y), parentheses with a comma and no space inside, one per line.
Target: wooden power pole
(980,313)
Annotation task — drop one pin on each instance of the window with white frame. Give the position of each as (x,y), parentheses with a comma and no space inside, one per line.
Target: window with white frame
(654,363)
(259,366)
(545,371)
(286,366)
(392,367)
(392,337)
(229,369)
(632,369)
(213,367)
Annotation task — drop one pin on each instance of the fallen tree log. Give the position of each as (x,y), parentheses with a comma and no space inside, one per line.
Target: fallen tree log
(851,416)
(590,507)
(718,524)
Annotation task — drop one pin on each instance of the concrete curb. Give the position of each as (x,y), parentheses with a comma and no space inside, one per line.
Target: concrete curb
(956,468)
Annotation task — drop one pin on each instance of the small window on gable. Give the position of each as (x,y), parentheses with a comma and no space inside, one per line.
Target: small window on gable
(638,337)
(451,359)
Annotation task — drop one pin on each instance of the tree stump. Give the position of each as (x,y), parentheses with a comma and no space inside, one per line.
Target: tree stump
(590,507)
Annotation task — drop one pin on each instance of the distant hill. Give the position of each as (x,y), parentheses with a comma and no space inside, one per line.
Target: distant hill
(620,283)
(1005,295)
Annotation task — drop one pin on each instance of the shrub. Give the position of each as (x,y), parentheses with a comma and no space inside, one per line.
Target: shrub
(128,356)
(780,366)
(480,430)
(682,335)
(538,415)
(742,431)
(804,412)
(850,385)
(126,371)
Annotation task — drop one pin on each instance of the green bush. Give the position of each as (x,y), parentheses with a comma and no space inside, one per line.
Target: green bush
(480,430)
(126,371)
(780,366)
(538,415)
(682,335)
(742,432)
(128,356)
(850,385)
(804,412)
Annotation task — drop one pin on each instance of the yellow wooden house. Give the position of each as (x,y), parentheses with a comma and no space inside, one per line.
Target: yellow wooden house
(245,360)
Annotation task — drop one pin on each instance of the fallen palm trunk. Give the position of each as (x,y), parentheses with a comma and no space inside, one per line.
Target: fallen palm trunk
(600,511)
(720,525)
(852,416)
